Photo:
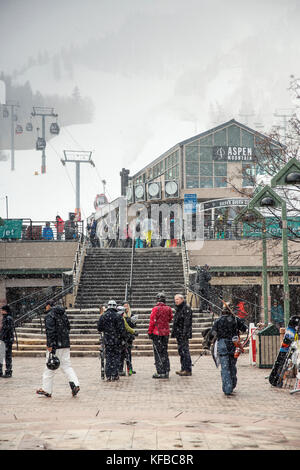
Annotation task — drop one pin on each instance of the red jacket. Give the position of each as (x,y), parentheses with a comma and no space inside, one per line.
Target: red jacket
(160,319)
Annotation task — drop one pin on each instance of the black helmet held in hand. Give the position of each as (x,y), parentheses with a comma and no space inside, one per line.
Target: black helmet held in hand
(53,362)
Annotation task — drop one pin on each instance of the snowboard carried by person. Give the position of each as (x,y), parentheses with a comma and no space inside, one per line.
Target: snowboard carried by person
(282,360)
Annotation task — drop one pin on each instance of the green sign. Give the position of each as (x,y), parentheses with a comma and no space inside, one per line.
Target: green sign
(11,229)
(273,228)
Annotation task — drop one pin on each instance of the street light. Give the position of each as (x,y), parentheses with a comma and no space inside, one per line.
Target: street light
(266,197)
(250,215)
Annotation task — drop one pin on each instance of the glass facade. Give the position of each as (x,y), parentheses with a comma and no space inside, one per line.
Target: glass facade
(207,159)
(204,170)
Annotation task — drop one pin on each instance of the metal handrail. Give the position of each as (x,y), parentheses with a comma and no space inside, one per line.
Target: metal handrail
(78,262)
(131,268)
(19,321)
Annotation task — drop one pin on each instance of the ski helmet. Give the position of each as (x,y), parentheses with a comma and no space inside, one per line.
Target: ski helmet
(112,304)
(294,321)
(161,297)
(53,362)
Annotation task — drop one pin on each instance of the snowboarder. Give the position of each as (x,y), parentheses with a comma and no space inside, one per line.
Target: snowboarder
(58,343)
(158,332)
(6,340)
(113,327)
(182,331)
(225,329)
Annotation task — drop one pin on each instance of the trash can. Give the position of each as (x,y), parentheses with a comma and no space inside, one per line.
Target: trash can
(267,347)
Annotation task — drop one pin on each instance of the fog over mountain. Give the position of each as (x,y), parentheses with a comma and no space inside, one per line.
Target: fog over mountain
(157,72)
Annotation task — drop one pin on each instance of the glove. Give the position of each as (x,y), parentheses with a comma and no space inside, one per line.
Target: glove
(150,336)
(136,333)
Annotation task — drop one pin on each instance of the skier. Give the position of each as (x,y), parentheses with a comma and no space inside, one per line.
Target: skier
(182,331)
(202,282)
(225,328)
(158,332)
(6,340)
(127,343)
(112,324)
(58,343)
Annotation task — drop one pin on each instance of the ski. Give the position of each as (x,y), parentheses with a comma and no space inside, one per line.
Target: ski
(281,363)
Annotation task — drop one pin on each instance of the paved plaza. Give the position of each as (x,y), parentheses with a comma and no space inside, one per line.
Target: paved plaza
(138,412)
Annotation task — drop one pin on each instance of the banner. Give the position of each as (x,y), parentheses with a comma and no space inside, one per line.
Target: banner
(11,229)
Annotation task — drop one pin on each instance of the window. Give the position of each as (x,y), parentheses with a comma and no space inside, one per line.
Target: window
(220,137)
(191,153)
(220,169)
(206,140)
(247,139)
(206,169)
(206,154)
(234,138)
(248,173)
(192,168)
(192,182)
(206,182)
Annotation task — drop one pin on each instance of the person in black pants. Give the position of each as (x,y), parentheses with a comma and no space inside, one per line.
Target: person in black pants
(112,324)
(158,332)
(7,336)
(182,331)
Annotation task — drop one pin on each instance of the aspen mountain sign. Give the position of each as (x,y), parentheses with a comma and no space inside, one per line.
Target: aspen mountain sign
(233,154)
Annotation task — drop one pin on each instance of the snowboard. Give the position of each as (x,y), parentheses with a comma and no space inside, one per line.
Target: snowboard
(283,357)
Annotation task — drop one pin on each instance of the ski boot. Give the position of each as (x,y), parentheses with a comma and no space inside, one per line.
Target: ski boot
(75,388)
(7,375)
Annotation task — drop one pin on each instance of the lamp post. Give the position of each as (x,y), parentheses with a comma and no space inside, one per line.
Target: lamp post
(266,197)
(247,215)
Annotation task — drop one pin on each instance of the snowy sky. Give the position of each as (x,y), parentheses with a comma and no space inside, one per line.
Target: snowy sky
(164,67)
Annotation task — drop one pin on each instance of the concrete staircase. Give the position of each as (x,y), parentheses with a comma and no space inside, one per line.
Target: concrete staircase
(104,276)
(85,337)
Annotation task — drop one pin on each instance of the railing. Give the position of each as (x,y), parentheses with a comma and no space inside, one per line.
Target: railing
(186,264)
(78,263)
(31,230)
(36,311)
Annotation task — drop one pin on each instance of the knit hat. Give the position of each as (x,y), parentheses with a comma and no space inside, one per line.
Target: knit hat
(6,308)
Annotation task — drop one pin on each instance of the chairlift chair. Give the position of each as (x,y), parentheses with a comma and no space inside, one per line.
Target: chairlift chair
(29,127)
(5,113)
(19,129)
(54,128)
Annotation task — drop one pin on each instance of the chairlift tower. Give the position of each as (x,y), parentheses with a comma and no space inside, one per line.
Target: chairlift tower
(77,157)
(43,112)
(12,105)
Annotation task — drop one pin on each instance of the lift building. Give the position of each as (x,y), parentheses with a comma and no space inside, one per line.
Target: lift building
(216,171)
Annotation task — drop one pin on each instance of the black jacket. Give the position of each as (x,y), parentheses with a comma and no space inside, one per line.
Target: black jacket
(203,277)
(227,326)
(182,323)
(111,323)
(57,328)
(7,330)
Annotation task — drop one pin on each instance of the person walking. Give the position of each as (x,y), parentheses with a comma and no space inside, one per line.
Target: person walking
(112,325)
(57,327)
(182,331)
(6,341)
(158,332)
(224,329)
